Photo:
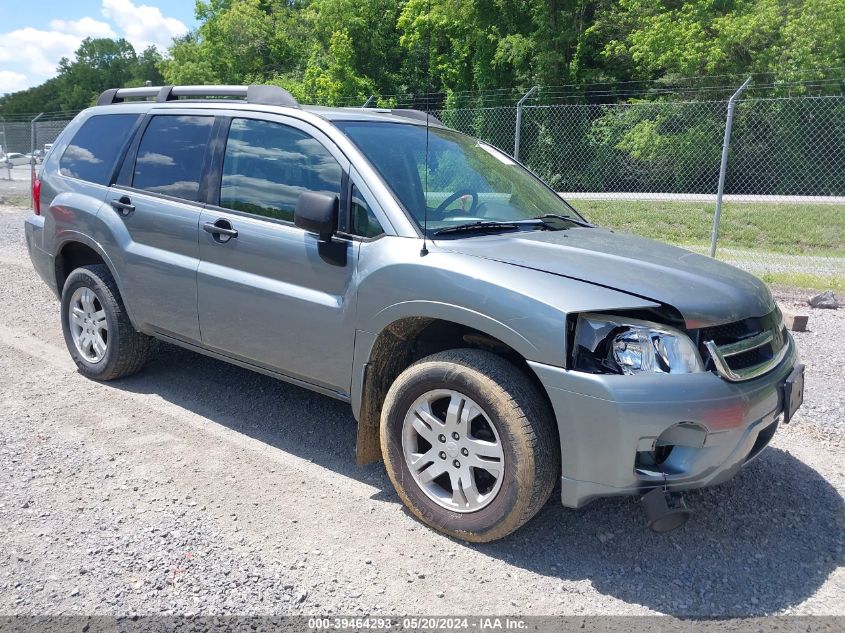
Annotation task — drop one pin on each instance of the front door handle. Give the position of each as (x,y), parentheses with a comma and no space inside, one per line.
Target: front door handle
(123,205)
(220,227)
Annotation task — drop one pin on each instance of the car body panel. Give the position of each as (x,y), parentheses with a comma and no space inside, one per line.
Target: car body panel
(705,290)
(276,300)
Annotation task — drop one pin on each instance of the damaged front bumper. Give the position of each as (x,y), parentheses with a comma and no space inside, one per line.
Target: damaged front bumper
(624,435)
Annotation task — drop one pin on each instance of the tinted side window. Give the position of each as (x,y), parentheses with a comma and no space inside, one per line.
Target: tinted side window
(171,154)
(267,165)
(92,153)
(364,222)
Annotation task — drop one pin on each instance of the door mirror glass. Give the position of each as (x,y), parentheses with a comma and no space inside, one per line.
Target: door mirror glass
(317,213)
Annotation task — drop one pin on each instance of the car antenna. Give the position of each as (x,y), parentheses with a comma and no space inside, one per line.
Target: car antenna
(424,249)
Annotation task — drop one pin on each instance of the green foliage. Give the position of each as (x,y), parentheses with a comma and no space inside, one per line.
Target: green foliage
(338,51)
(98,64)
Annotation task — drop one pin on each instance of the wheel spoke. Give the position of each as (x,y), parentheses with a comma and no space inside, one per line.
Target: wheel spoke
(456,405)
(77,318)
(458,498)
(432,472)
(468,487)
(419,461)
(99,316)
(468,413)
(491,466)
(484,449)
(87,300)
(98,344)
(424,424)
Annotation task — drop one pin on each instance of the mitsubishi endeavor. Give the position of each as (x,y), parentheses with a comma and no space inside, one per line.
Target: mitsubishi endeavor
(490,340)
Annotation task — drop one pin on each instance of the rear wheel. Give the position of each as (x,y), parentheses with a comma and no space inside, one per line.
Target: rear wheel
(469,444)
(99,336)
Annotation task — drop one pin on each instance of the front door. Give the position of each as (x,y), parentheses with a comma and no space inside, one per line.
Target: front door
(268,292)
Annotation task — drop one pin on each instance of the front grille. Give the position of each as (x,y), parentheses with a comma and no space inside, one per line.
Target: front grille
(745,349)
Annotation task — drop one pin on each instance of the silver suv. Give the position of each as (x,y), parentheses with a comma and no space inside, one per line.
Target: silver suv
(490,340)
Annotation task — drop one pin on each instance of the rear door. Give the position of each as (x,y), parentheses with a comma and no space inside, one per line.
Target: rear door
(269,293)
(157,198)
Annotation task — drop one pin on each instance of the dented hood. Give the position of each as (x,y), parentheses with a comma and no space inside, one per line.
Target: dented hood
(704,290)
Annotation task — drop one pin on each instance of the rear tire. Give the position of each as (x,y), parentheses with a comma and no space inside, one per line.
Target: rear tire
(501,424)
(99,336)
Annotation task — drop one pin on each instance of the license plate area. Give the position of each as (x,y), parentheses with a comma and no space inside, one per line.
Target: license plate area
(793,392)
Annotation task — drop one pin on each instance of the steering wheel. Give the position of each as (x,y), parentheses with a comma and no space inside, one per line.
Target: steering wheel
(441,208)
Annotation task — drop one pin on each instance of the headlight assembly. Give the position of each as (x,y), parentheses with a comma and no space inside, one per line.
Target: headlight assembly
(608,344)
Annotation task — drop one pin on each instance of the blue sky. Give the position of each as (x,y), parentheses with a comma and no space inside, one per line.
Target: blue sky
(36,34)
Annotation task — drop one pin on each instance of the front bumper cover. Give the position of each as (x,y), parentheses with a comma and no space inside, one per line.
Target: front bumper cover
(605,420)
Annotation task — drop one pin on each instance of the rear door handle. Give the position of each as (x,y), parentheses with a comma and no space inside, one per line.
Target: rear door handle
(123,205)
(220,227)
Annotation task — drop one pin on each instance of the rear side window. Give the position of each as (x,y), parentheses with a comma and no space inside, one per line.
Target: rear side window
(94,149)
(268,165)
(171,154)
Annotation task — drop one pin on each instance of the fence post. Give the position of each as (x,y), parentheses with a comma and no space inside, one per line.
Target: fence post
(4,148)
(519,104)
(32,158)
(723,167)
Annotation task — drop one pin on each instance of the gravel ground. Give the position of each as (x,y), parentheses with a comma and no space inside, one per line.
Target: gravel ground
(199,487)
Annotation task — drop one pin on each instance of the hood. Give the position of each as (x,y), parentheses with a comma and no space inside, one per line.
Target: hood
(704,290)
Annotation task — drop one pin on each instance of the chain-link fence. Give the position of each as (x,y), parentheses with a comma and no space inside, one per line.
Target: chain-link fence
(25,136)
(653,168)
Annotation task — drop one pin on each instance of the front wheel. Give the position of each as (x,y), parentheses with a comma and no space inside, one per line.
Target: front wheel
(469,444)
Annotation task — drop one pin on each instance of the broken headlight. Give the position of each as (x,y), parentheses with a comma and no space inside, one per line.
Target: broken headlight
(607,344)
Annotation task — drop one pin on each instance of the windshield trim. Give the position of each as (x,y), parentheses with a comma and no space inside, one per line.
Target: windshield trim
(431,233)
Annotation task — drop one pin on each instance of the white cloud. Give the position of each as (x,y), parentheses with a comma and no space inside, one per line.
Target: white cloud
(143,25)
(11,81)
(85,27)
(39,51)
(29,56)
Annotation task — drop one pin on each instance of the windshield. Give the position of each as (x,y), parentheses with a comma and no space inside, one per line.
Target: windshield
(468,181)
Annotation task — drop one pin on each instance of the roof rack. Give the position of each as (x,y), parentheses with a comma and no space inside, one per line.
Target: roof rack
(406,113)
(264,95)
(419,115)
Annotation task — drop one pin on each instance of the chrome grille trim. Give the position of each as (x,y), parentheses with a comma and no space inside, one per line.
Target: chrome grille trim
(777,338)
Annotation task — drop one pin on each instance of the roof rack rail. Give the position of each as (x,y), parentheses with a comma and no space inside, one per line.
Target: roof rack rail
(409,113)
(259,94)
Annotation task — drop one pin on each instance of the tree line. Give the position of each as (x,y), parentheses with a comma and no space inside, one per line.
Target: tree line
(341,51)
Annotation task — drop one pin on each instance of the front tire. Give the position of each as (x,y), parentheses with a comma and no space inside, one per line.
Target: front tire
(99,336)
(469,444)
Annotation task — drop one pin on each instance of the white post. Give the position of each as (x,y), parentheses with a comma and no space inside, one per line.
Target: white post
(516,137)
(723,168)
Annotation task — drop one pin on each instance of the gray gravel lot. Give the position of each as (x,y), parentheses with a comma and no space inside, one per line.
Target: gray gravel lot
(199,487)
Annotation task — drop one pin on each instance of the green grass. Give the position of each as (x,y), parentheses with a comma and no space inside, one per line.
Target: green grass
(792,229)
(805,280)
(15,200)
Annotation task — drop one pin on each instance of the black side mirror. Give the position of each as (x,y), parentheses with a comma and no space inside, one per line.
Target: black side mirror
(317,213)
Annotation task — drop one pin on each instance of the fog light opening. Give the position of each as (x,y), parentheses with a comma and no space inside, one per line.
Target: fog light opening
(650,459)
(665,510)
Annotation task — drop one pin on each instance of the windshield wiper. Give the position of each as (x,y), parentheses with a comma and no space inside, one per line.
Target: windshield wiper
(488,225)
(566,218)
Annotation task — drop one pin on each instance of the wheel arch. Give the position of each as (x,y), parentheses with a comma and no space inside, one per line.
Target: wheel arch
(381,357)
(77,249)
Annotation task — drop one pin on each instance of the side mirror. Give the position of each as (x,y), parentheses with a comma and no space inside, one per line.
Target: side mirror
(317,213)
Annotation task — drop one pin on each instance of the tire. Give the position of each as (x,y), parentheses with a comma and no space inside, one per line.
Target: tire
(125,350)
(512,412)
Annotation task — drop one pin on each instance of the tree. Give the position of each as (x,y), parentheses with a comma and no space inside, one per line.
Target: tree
(98,64)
